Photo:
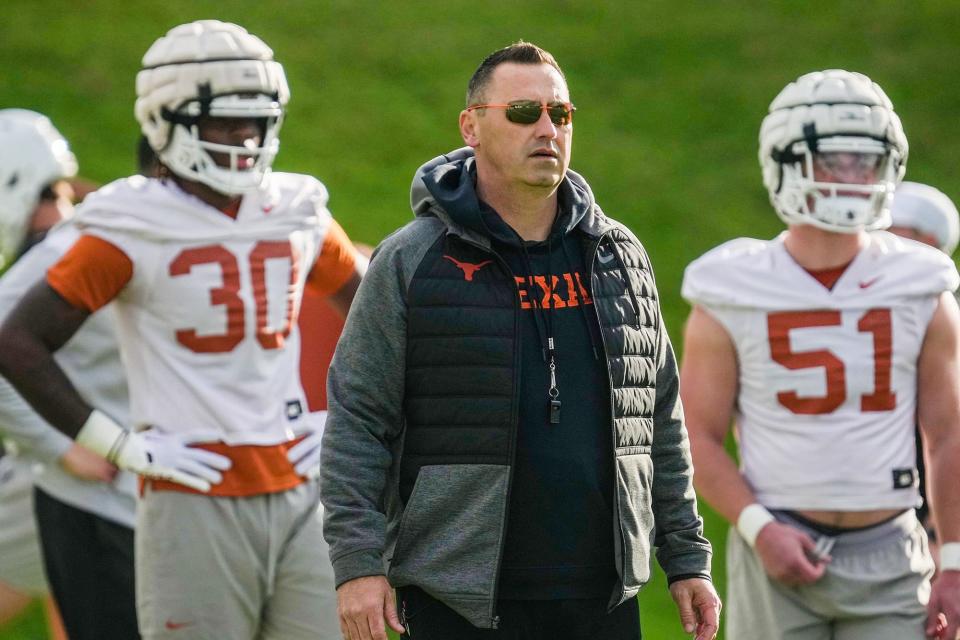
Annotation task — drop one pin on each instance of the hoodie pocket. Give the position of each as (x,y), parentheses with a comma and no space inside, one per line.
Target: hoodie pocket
(634,485)
(450,532)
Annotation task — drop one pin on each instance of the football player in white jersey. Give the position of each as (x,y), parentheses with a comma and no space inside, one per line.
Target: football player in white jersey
(206,266)
(823,345)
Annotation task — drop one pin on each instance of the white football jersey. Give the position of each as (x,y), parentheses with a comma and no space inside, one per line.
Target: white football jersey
(827,391)
(207,322)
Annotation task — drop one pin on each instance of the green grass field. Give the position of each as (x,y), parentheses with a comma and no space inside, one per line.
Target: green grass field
(669,94)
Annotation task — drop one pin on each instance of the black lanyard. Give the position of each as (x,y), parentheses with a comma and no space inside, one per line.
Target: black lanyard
(544,323)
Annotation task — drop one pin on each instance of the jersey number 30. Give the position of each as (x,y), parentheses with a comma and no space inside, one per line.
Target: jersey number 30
(874,321)
(228,295)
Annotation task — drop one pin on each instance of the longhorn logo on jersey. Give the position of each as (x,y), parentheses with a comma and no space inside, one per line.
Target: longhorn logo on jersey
(468,268)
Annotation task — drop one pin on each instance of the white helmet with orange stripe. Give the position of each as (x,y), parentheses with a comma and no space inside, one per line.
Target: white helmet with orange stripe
(214,69)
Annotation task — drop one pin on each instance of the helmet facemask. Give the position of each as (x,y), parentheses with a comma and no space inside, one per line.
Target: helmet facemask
(841,184)
(191,157)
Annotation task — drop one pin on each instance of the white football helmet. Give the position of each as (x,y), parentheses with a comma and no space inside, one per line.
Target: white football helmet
(33,155)
(929,211)
(216,69)
(827,112)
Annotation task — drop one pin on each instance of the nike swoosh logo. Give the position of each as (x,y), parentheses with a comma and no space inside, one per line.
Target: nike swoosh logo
(869,283)
(604,258)
(173,626)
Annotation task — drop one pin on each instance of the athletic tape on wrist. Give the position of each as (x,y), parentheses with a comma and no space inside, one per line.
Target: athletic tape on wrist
(950,556)
(102,435)
(752,519)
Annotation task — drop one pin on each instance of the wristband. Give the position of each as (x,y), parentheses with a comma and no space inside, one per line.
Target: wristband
(950,556)
(102,435)
(752,519)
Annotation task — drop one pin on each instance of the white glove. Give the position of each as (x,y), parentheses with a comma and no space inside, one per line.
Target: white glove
(305,455)
(151,454)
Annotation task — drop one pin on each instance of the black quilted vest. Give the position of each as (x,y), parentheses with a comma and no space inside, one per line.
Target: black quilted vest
(461,386)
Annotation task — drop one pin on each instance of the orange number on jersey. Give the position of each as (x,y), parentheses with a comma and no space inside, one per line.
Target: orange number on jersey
(227,295)
(875,321)
(258,258)
(778,329)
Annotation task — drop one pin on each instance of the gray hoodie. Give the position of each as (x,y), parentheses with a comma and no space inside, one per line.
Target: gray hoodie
(445,534)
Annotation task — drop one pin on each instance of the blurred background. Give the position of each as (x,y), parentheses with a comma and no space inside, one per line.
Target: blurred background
(670,96)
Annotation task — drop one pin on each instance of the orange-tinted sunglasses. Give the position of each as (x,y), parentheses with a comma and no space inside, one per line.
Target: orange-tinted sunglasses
(528,111)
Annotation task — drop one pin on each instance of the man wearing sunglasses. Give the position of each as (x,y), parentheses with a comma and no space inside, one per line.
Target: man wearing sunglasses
(504,427)
(824,345)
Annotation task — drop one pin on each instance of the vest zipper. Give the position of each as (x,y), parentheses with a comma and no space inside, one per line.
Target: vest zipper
(512,439)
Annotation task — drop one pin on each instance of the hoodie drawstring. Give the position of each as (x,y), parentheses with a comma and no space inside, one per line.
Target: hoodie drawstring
(583,309)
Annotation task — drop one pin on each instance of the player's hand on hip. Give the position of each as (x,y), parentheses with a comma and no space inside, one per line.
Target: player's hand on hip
(152,454)
(789,555)
(699,607)
(305,455)
(169,457)
(943,610)
(84,464)
(363,604)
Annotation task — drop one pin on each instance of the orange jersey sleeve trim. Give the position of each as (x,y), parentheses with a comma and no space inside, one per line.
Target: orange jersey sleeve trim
(91,273)
(335,265)
(256,470)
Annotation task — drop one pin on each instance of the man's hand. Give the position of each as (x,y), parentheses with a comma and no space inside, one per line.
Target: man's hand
(363,604)
(943,610)
(699,606)
(84,464)
(788,555)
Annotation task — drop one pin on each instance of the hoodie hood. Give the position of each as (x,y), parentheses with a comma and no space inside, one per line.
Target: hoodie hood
(445,187)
